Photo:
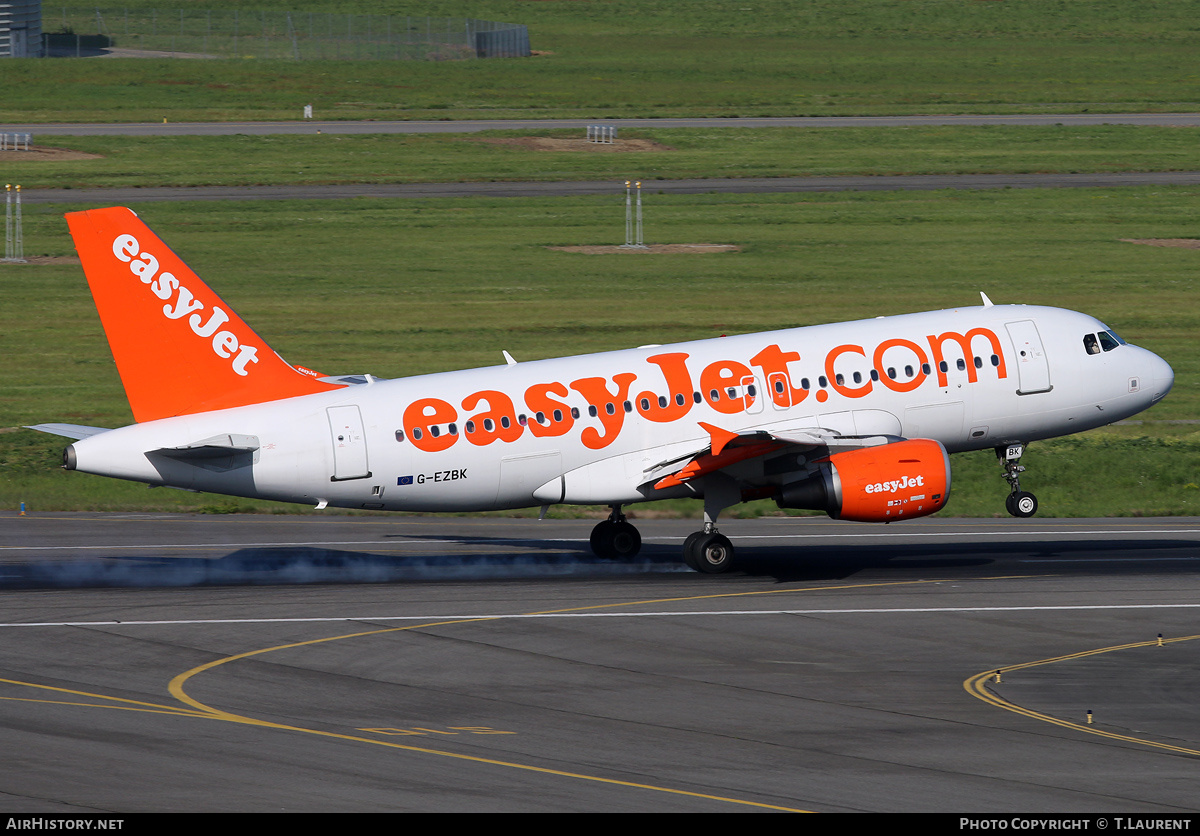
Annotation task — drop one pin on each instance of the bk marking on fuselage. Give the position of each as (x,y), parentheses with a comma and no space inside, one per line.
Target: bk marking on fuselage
(855,419)
(435,477)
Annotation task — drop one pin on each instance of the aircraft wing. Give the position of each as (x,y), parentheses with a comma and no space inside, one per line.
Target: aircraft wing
(728,448)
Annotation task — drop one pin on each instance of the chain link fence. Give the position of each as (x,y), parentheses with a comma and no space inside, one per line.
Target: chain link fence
(301,36)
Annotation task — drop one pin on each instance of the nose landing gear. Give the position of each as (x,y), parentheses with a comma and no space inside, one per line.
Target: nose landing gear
(1019,503)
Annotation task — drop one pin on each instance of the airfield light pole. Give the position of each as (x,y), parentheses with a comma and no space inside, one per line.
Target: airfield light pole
(628,215)
(630,187)
(14,246)
(639,243)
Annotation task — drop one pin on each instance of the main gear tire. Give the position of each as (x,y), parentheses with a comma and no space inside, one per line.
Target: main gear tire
(711,554)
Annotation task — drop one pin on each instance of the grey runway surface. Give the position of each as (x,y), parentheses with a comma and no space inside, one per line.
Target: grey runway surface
(178,663)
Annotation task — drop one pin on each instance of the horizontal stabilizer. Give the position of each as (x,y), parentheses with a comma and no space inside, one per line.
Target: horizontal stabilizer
(219,454)
(219,446)
(75,431)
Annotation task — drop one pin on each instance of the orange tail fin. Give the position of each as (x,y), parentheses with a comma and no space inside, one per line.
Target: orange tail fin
(179,348)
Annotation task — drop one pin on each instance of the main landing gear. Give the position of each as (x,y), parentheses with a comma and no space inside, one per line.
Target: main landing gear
(614,538)
(706,551)
(1019,503)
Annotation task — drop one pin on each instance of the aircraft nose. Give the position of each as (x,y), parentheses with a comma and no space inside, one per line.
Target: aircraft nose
(1164,377)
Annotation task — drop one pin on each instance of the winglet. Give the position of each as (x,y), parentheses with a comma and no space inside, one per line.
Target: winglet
(178,347)
(718,437)
(987,303)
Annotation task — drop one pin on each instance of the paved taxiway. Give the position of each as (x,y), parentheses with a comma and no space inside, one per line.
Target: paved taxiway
(563,189)
(166,662)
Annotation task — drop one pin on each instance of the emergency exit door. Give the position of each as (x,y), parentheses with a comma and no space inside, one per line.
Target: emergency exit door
(349,443)
(1033,369)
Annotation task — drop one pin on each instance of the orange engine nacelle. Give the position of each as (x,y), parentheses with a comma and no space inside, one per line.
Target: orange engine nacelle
(876,484)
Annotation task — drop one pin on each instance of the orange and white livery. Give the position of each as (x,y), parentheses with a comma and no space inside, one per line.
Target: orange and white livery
(855,419)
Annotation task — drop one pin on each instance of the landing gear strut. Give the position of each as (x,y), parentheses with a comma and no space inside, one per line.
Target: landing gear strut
(614,538)
(1019,503)
(708,550)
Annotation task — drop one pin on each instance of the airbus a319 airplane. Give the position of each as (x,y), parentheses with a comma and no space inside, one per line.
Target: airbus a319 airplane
(854,419)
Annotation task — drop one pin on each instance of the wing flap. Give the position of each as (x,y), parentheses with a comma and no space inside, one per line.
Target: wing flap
(727,448)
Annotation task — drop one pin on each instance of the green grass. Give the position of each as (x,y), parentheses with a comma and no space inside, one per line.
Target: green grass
(717,152)
(685,58)
(405,287)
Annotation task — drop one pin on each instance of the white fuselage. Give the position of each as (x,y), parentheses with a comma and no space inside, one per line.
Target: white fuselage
(588,429)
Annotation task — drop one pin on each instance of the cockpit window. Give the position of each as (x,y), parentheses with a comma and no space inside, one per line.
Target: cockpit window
(1103,341)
